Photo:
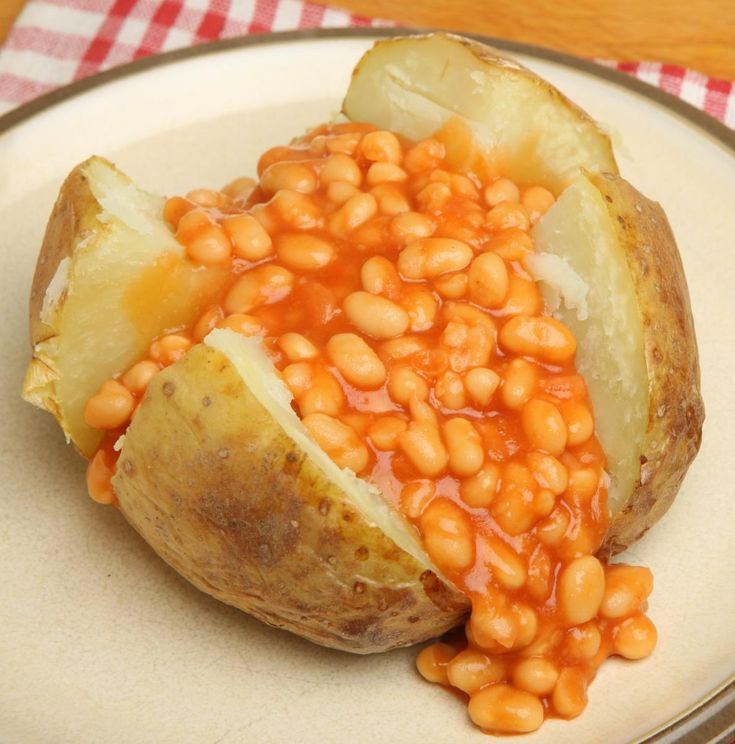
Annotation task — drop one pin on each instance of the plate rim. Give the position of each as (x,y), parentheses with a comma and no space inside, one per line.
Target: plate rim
(711,719)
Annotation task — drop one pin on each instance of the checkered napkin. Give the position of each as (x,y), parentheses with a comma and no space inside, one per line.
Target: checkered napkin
(55,42)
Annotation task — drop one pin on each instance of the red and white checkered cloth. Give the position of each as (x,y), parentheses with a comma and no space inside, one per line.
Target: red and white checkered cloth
(54,42)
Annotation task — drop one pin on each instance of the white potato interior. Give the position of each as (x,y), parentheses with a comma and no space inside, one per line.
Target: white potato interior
(531,133)
(125,283)
(584,275)
(258,373)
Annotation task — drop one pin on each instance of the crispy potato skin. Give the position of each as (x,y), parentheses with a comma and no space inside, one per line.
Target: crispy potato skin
(220,492)
(676,410)
(74,215)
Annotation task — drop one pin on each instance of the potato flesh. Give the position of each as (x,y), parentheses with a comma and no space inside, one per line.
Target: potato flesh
(530,132)
(125,283)
(610,345)
(258,373)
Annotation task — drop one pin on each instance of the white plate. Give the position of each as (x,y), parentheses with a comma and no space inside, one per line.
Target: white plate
(101,642)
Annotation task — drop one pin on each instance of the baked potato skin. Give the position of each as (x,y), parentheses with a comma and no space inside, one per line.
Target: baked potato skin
(676,409)
(219,491)
(74,215)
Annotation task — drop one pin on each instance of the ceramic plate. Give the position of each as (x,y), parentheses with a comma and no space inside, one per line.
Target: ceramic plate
(101,642)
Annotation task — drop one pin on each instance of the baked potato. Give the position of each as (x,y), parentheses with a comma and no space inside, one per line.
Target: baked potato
(216,471)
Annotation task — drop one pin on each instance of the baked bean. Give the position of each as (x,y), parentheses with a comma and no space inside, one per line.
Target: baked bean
(375,316)
(466,455)
(288,175)
(260,286)
(249,239)
(245,325)
(468,314)
(523,298)
(207,322)
(447,535)
(420,410)
(240,188)
(548,472)
(537,201)
(481,384)
(354,212)
(462,186)
(99,479)
(467,346)
(544,426)
(391,200)
(208,198)
(535,675)
(433,197)
(511,244)
(501,190)
(432,662)
(542,337)
(381,146)
(340,168)
(169,349)
(299,377)
(626,590)
(297,210)
(520,381)
(422,445)
(410,226)
(507,568)
(137,378)
(421,307)
(551,531)
(385,173)
(303,251)
(296,347)
(570,694)
(452,286)
(338,440)
(582,642)
(506,215)
(470,670)
(539,575)
(510,507)
(210,245)
(358,420)
(527,626)
(581,588)
(339,192)
(174,209)
(417,495)
(450,391)
(323,396)
(494,625)
(400,348)
(503,709)
(356,361)
(634,638)
(110,407)
(579,421)
(346,143)
(426,258)
(379,277)
(488,280)
(479,490)
(424,156)
(583,484)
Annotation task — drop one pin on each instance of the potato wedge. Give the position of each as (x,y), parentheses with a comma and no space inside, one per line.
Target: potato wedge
(524,127)
(223,481)
(637,348)
(110,277)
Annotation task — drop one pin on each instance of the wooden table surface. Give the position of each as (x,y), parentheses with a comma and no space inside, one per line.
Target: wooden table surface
(699,34)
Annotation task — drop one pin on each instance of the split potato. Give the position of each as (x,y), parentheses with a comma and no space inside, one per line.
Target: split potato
(218,474)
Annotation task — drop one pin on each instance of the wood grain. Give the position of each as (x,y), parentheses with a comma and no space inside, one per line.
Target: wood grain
(9,9)
(699,35)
